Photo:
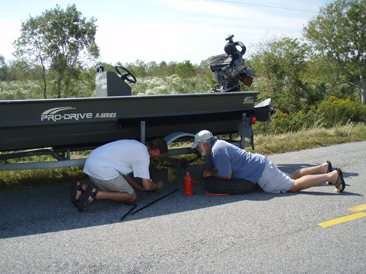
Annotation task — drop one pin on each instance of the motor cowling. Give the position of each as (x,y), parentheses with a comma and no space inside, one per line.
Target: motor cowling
(230,67)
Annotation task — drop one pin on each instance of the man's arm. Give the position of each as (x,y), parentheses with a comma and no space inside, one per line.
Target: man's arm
(209,173)
(201,178)
(150,186)
(133,183)
(214,173)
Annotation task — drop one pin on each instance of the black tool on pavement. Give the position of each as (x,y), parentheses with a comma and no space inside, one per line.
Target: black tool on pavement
(134,206)
(154,202)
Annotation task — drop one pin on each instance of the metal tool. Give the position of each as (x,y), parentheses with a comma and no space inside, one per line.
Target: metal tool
(134,206)
(154,202)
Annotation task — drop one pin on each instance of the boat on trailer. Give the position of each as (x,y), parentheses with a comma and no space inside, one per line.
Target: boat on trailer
(57,127)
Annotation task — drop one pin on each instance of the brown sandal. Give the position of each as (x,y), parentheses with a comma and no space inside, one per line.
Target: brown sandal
(330,169)
(340,180)
(74,188)
(84,200)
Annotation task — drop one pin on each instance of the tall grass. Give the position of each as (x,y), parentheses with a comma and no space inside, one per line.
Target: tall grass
(173,84)
(170,85)
(19,90)
(309,138)
(16,90)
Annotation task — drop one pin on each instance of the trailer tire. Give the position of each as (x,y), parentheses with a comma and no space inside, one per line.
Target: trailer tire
(231,187)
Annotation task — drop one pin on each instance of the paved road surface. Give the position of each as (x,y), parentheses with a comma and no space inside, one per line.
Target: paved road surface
(41,232)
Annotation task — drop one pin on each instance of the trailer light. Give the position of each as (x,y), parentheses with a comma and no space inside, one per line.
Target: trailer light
(252,120)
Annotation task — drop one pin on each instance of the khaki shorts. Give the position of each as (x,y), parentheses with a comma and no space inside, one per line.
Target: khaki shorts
(118,184)
(274,180)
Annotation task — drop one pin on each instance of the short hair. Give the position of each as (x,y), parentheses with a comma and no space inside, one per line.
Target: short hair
(211,140)
(159,144)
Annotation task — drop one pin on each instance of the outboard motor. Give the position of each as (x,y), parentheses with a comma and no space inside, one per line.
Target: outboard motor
(229,68)
(99,69)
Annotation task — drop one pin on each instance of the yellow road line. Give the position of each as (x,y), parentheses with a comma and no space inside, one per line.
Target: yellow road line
(343,219)
(358,208)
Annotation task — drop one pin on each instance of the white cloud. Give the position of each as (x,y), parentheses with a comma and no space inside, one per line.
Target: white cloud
(9,31)
(165,30)
(197,31)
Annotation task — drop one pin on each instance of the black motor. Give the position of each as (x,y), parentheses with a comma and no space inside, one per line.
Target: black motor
(229,68)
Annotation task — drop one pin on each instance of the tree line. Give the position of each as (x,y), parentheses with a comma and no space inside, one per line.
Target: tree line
(55,48)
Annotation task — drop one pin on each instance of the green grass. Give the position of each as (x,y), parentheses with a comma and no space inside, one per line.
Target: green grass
(309,138)
(264,144)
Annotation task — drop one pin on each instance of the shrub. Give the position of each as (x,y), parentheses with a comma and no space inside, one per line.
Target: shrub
(341,111)
(325,114)
(169,85)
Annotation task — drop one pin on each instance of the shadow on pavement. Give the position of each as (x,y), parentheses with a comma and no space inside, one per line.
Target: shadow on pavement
(49,209)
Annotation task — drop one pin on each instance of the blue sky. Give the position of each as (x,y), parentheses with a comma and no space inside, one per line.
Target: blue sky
(169,30)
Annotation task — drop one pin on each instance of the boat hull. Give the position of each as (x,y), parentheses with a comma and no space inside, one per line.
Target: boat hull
(80,122)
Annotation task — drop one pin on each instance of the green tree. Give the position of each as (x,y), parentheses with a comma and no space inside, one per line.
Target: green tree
(167,69)
(186,69)
(205,71)
(152,69)
(283,62)
(338,33)
(139,68)
(4,70)
(57,42)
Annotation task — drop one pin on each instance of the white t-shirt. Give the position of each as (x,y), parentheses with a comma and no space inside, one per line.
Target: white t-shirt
(120,157)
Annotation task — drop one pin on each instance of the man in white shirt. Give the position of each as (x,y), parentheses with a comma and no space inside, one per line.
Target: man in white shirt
(109,166)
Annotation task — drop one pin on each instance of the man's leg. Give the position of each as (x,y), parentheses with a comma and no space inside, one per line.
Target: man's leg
(97,194)
(117,189)
(80,192)
(321,169)
(116,196)
(313,180)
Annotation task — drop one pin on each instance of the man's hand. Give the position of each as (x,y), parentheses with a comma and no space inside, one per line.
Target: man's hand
(159,184)
(150,186)
(209,173)
(213,173)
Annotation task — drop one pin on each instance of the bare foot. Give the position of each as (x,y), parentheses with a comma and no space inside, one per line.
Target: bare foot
(79,190)
(324,168)
(329,168)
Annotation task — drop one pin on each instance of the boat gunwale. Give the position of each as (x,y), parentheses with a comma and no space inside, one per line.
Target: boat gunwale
(132,97)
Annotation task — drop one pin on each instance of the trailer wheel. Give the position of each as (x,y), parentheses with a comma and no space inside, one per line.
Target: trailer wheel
(232,186)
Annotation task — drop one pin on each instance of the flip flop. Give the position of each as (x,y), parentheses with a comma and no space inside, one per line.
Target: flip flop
(340,180)
(330,169)
(74,188)
(84,199)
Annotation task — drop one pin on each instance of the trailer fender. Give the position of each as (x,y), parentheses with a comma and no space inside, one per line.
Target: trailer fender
(176,135)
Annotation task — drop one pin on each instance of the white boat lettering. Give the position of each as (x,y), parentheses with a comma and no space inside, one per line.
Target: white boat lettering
(54,115)
(101,82)
(106,115)
(248,100)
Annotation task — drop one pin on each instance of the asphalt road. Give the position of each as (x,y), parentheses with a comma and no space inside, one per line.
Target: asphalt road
(41,232)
